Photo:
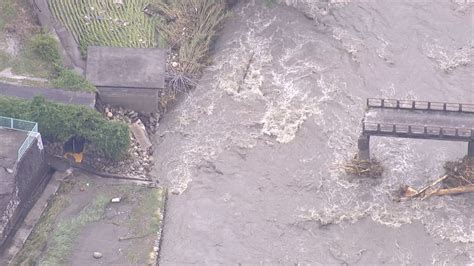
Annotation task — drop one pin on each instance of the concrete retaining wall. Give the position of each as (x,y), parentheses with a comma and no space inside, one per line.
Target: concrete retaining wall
(28,174)
(55,95)
(138,99)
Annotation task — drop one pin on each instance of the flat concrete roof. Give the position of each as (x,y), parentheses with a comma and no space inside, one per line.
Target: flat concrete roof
(10,142)
(56,95)
(126,67)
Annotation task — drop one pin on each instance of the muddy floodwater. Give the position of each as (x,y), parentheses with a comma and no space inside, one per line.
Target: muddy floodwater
(253,156)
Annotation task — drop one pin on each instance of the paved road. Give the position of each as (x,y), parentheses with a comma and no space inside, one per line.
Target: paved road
(55,95)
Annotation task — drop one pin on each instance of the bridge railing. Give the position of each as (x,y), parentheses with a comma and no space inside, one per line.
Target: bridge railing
(22,125)
(417,131)
(420,105)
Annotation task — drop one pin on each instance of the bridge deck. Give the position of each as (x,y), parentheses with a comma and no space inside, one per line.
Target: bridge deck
(409,119)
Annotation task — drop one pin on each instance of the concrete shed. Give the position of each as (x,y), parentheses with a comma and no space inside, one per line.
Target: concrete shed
(132,78)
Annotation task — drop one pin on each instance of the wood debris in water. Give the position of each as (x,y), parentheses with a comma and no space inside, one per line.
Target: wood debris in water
(364,168)
(459,178)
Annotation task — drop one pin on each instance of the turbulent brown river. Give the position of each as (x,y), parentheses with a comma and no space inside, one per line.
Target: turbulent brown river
(253,156)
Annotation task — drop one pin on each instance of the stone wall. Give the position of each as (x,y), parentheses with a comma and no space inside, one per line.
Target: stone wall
(29,174)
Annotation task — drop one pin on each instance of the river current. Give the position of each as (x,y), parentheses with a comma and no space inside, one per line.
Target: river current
(252,157)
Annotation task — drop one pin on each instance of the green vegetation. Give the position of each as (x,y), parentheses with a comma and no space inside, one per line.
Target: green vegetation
(7,12)
(270,2)
(45,47)
(58,122)
(150,206)
(17,28)
(70,80)
(36,242)
(67,231)
(189,26)
(103,22)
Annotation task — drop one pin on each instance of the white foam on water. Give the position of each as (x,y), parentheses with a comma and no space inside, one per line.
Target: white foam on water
(274,96)
(447,60)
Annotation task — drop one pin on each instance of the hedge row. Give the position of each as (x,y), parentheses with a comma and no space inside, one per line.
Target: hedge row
(58,122)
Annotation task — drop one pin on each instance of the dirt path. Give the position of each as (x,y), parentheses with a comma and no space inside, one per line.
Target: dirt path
(254,152)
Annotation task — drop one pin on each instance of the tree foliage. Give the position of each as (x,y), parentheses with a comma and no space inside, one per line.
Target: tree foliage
(58,122)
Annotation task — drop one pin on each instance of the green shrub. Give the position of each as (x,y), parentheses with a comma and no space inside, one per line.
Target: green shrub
(46,47)
(58,122)
(70,80)
(7,12)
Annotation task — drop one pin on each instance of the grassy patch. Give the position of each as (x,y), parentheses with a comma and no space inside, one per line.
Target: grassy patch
(7,12)
(70,80)
(67,231)
(36,242)
(270,2)
(5,60)
(45,47)
(103,22)
(148,212)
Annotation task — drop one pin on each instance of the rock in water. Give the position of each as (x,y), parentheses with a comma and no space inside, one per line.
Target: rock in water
(97,255)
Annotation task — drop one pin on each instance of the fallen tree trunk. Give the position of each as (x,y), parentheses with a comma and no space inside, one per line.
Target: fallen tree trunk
(454,190)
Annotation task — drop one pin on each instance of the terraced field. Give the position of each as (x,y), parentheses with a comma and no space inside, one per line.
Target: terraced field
(118,23)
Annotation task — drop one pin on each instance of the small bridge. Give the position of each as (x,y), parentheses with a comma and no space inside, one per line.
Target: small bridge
(418,120)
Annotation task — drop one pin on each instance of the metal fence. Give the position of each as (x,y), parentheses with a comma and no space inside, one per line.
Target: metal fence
(22,125)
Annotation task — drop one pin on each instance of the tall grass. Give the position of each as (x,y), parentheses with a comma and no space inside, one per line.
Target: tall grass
(190,26)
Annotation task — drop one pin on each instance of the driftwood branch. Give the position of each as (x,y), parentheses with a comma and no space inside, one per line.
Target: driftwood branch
(430,186)
(452,191)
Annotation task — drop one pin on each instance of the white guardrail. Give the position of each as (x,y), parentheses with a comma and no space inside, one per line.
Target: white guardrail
(21,125)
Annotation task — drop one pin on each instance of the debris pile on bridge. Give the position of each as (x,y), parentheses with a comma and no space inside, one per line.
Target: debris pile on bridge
(363,168)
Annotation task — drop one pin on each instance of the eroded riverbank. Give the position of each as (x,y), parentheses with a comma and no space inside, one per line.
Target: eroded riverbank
(254,152)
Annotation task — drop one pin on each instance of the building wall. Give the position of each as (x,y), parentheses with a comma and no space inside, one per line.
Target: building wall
(29,174)
(138,99)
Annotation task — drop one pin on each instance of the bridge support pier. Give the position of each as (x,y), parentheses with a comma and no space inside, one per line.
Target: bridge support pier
(470,149)
(364,147)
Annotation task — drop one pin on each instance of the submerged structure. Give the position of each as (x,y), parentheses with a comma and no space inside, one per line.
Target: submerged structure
(416,119)
(132,78)
(22,171)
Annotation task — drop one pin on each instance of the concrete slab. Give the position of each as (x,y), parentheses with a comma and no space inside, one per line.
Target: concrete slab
(82,214)
(126,67)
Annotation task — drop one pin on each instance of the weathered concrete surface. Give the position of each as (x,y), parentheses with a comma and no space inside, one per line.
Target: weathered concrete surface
(138,99)
(126,67)
(56,95)
(10,142)
(17,188)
